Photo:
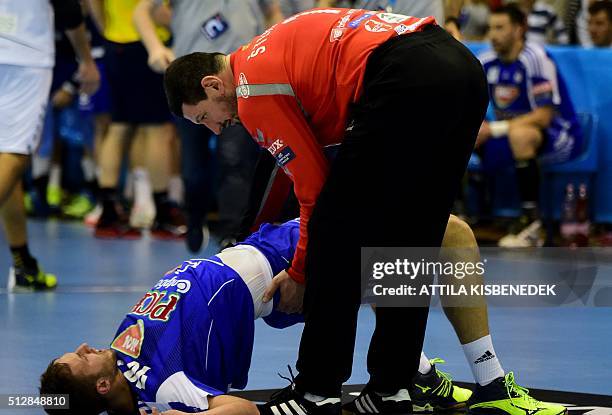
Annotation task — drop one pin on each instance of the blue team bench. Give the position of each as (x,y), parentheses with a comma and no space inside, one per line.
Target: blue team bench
(588,78)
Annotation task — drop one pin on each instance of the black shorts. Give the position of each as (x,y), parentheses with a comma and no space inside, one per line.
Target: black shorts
(137,93)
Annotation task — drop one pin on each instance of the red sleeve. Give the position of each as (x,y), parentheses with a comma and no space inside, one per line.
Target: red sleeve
(290,140)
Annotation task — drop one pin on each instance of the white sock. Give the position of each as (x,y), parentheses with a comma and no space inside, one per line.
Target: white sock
(55,175)
(317,398)
(424,365)
(483,360)
(143,193)
(89,168)
(175,189)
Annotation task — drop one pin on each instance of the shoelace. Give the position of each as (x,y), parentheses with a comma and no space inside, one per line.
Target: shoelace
(520,391)
(446,386)
(283,392)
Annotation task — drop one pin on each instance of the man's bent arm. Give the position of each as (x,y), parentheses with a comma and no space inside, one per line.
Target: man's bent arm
(143,21)
(281,117)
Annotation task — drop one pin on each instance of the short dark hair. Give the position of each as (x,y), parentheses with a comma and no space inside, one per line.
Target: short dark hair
(183,76)
(601,6)
(513,11)
(83,397)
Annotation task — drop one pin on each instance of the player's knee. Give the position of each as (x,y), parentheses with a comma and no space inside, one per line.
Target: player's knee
(524,142)
(458,233)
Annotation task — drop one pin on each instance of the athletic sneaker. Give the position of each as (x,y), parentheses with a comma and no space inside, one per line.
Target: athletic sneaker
(113,224)
(170,224)
(504,397)
(142,215)
(78,206)
(197,238)
(529,236)
(54,196)
(370,402)
(92,218)
(118,229)
(288,401)
(22,280)
(436,391)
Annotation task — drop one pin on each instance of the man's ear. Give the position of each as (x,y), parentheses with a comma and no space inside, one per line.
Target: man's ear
(212,83)
(103,385)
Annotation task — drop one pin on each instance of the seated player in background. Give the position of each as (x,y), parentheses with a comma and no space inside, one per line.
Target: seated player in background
(534,116)
(190,339)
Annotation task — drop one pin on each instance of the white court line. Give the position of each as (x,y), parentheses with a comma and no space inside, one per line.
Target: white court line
(88,289)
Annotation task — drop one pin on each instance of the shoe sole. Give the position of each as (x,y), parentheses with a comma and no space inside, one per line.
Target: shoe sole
(427,408)
(495,411)
(347,412)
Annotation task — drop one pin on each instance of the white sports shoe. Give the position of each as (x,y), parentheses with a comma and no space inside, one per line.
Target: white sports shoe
(530,236)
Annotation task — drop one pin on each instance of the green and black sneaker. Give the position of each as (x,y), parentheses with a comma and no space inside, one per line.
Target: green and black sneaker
(435,391)
(504,397)
(22,280)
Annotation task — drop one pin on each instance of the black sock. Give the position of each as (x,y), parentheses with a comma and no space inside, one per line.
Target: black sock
(40,186)
(108,197)
(528,179)
(22,257)
(161,202)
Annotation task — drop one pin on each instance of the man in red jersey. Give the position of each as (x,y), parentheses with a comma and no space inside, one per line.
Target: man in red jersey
(405,101)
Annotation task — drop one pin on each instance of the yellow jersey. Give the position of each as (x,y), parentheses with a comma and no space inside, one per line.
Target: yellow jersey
(119,27)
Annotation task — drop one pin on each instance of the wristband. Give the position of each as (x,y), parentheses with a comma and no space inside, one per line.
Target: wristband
(499,128)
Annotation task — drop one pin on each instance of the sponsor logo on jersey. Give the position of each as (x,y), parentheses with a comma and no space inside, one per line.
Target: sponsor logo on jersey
(243,87)
(518,77)
(282,153)
(338,31)
(275,146)
(375,26)
(129,342)
(391,18)
(156,305)
(505,95)
(182,286)
(285,156)
(493,75)
(336,34)
(355,23)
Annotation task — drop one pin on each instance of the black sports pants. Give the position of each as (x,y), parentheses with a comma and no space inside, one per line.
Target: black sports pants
(392,184)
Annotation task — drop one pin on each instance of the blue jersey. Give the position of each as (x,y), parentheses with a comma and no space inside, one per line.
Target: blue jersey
(191,336)
(519,87)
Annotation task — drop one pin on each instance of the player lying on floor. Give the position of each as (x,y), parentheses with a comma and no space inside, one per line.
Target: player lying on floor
(188,340)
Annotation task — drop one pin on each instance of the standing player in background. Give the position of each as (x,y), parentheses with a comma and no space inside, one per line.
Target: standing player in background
(26,41)
(148,127)
(207,26)
(535,116)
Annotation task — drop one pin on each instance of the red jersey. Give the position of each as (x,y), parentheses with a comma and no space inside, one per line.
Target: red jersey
(296,82)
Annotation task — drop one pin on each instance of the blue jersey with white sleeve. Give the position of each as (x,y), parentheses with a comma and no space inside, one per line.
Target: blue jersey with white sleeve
(191,336)
(530,82)
(188,338)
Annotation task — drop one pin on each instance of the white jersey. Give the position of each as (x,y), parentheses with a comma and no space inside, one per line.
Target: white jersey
(26,33)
